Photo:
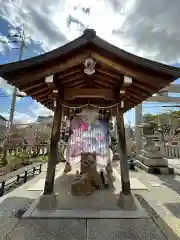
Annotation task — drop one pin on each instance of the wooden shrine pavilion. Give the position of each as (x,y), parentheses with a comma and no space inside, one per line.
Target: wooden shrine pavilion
(88,70)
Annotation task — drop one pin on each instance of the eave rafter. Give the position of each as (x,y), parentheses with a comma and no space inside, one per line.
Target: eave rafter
(102,83)
(125,70)
(75,83)
(70,79)
(53,69)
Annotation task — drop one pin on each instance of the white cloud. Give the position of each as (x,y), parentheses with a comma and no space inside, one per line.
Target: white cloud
(35,110)
(4,85)
(152,30)
(8,89)
(20,117)
(38,110)
(147,28)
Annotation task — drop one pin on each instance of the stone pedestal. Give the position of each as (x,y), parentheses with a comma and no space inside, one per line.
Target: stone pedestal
(150,155)
(127,202)
(151,159)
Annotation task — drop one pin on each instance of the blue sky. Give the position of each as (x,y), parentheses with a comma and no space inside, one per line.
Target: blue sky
(131,25)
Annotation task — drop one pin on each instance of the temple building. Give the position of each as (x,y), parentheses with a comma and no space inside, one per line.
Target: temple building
(89,72)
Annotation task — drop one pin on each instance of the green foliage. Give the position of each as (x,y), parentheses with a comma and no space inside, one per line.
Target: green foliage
(113,140)
(22,155)
(110,126)
(20,158)
(3,162)
(43,159)
(61,156)
(165,118)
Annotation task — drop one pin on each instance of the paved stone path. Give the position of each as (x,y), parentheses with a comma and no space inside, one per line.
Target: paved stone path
(161,201)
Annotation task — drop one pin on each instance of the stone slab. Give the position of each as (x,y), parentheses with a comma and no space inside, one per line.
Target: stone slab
(159,170)
(49,229)
(155,184)
(87,214)
(136,184)
(123,229)
(6,225)
(36,211)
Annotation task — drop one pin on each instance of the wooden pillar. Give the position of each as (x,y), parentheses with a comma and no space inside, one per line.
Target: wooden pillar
(52,161)
(125,181)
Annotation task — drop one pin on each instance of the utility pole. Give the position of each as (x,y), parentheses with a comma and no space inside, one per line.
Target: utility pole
(138,130)
(15,90)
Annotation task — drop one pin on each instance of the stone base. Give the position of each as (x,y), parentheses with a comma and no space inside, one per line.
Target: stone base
(47,201)
(101,204)
(130,209)
(127,202)
(152,161)
(155,169)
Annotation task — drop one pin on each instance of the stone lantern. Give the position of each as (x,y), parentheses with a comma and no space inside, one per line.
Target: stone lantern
(150,156)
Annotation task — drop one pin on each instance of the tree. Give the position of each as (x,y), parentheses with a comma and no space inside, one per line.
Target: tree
(166,118)
(110,126)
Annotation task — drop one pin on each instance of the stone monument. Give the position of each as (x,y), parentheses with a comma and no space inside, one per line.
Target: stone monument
(89,179)
(150,156)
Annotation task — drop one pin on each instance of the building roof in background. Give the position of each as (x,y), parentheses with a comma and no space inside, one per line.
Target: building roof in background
(2,118)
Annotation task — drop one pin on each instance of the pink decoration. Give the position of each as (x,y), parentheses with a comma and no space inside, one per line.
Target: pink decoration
(84,126)
(100,138)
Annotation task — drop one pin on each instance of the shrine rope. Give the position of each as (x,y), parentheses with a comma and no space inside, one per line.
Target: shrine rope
(87,105)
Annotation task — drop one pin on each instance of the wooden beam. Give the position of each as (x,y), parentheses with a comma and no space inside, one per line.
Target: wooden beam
(45,94)
(46,100)
(81,85)
(125,180)
(136,96)
(74,83)
(43,72)
(71,93)
(103,83)
(128,71)
(53,153)
(70,79)
(144,86)
(42,92)
(132,99)
(109,74)
(30,88)
(70,73)
(106,78)
(95,85)
(89,80)
(139,92)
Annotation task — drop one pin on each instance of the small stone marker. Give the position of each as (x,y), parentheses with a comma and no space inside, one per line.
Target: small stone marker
(155,184)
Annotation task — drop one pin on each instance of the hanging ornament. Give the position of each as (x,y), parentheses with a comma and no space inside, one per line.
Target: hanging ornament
(89,66)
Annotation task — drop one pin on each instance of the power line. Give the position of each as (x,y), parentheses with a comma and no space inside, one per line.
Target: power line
(4,96)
